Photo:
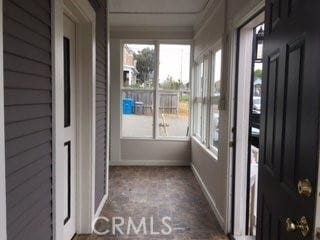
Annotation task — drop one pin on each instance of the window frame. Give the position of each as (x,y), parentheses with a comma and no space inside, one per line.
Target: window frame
(156,91)
(153,90)
(214,99)
(208,99)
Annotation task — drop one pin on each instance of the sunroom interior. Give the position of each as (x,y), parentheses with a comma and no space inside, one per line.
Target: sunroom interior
(179,114)
(148,119)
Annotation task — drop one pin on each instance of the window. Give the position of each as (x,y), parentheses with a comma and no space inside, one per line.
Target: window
(139,65)
(207,90)
(156,97)
(215,99)
(197,102)
(205,84)
(174,90)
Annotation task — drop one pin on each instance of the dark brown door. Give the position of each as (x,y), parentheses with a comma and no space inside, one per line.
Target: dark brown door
(290,118)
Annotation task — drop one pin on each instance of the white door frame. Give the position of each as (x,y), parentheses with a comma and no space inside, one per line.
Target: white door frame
(240,177)
(242,136)
(85,18)
(3,208)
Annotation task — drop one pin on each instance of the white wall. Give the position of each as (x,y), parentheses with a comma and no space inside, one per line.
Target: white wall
(211,31)
(135,151)
(215,174)
(154,152)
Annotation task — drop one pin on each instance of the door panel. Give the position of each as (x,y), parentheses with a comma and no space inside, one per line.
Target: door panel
(290,117)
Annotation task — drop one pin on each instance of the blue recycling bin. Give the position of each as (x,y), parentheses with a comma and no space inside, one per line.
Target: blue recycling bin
(128,105)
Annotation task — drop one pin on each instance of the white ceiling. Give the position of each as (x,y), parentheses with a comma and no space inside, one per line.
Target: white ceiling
(157,12)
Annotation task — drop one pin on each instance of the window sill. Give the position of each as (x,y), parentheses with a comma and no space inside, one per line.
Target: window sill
(208,151)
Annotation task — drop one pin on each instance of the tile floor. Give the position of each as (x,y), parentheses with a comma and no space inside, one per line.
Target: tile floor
(157,192)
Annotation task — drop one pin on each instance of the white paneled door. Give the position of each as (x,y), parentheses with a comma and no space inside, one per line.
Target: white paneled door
(69,42)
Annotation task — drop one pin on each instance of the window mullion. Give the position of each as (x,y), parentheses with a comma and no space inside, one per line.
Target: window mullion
(209,108)
(156,93)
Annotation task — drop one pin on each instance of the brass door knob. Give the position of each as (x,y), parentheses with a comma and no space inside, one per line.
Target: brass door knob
(305,188)
(301,225)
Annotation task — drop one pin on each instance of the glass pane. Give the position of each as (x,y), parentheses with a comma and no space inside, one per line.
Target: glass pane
(198,95)
(256,101)
(137,113)
(67,83)
(259,34)
(216,67)
(197,119)
(174,90)
(174,114)
(259,49)
(215,126)
(204,114)
(139,65)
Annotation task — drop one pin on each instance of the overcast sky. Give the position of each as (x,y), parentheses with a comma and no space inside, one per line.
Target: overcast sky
(174,60)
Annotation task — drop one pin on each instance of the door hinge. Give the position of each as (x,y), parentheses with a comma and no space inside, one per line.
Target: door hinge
(232,144)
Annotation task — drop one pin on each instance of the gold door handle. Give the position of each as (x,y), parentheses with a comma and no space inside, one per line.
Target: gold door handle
(305,188)
(301,225)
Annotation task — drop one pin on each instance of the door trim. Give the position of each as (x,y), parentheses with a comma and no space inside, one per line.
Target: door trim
(241,173)
(58,122)
(236,23)
(85,18)
(3,207)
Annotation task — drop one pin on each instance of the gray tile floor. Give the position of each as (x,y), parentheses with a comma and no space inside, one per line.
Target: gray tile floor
(159,192)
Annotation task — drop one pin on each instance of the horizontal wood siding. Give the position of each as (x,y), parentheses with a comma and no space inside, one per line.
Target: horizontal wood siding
(101,99)
(28,118)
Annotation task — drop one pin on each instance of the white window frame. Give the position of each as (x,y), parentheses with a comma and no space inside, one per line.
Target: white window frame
(3,207)
(214,99)
(207,100)
(138,42)
(155,90)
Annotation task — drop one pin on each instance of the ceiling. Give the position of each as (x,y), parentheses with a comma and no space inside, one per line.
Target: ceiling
(157,12)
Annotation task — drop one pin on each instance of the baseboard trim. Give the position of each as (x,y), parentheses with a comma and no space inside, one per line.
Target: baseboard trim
(209,197)
(149,163)
(101,205)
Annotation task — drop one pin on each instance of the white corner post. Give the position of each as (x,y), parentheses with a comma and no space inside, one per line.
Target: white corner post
(57,108)
(3,208)
(108,102)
